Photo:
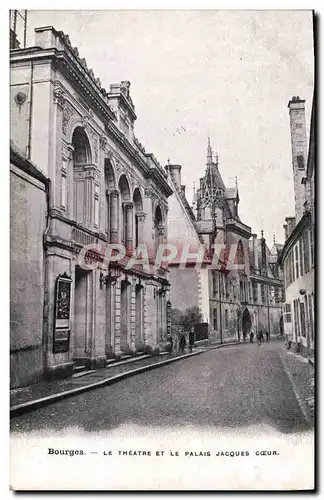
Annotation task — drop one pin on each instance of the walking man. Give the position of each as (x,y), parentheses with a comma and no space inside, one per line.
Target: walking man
(182,342)
(267,336)
(191,338)
(259,338)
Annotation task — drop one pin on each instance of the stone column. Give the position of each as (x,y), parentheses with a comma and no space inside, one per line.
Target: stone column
(140,226)
(128,207)
(114,201)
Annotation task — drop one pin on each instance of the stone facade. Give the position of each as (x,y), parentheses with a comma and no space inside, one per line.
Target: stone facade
(233,301)
(28,221)
(297,258)
(104,189)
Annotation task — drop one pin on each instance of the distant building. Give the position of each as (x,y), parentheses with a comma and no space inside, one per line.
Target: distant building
(233,301)
(105,189)
(297,256)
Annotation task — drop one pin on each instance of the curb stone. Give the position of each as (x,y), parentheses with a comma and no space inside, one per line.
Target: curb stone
(22,408)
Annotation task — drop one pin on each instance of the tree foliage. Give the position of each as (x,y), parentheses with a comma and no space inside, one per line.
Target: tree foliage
(189,318)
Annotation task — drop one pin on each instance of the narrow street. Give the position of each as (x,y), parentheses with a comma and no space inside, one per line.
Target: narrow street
(230,387)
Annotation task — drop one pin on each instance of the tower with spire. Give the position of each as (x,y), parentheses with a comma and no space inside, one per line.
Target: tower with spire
(211,192)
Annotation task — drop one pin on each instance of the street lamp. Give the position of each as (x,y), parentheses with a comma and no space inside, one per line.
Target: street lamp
(111,277)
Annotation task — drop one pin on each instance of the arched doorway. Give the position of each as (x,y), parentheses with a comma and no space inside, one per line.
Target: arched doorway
(246,322)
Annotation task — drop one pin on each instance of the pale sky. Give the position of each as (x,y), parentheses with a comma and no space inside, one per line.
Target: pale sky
(226,74)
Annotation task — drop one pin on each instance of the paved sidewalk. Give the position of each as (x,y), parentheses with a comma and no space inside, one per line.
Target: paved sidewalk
(28,398)
(302,377)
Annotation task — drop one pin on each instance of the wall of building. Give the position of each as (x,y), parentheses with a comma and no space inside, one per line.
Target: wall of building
(27,225)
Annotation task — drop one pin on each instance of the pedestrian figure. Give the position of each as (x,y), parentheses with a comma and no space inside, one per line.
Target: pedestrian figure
(170,343)
(182,342)
(191,338)
(261,336)
(244,336)
(267,336)
(251,336)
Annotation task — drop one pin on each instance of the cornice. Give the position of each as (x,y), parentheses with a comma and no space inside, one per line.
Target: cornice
(294,236)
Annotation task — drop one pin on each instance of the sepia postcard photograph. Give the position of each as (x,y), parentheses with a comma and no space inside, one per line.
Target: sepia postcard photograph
(162,250)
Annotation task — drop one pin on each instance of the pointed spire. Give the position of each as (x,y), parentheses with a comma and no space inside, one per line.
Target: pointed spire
(236,184)
(209,153)
(274,239)
(262,233)
(194,195)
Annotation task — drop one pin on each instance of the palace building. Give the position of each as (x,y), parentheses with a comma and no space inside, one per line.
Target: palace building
(85,183)
(234,299)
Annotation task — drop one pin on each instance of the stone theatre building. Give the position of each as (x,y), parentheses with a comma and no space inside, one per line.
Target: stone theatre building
(95,185)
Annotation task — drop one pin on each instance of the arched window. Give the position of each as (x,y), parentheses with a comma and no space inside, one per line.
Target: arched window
(138,207)
(82,204)
(240,257)
(111,202)
(158,227)
(82,150)
(126,213)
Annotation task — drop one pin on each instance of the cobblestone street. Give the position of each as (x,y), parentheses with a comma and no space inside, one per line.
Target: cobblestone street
(231,387)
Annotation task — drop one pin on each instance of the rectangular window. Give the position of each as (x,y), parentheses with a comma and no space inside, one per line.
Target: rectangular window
(215,283)
(63,191)
(302,319)
(226,285)
(300,162)
(287,313)
(255,291)
(306,251)
(301,256)
(310,315)
(292,265)
(96,206)
(312,245)
(226,319)
(215,318)
(277,294)
(296,262)
(263,294)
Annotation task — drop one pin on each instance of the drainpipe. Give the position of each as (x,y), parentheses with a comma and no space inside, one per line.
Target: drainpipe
(29,111)
(46,275)
(268,300)
(220,308)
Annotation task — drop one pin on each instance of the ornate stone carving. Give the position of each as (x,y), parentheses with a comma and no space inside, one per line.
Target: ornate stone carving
(85,120)
(94,141)
(103,142)
(59,97)
(68,111)
(141,217)
(148,192)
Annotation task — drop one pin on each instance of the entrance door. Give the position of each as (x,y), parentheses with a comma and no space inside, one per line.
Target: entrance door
(124,313)
(80,313)
(281,325)
(138,313)
(246,322)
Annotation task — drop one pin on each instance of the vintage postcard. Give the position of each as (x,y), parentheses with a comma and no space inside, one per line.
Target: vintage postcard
(162,217)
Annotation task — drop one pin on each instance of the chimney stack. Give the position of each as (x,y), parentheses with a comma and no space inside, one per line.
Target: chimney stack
(299,151)
(175,172)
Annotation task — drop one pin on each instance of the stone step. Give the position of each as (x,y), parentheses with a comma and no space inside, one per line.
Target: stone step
(79,368)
